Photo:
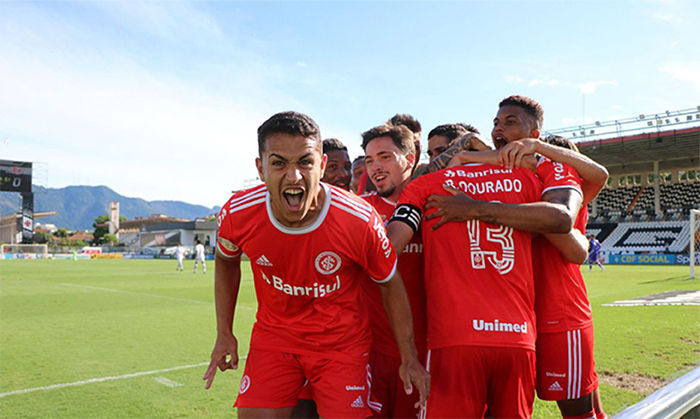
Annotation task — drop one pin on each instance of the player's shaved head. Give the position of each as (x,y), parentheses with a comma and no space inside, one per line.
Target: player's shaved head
(531,107)
(292,123)
(399,134)
(560,141)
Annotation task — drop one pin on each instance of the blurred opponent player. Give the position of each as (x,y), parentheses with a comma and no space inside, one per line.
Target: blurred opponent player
(593,253)
(311,245)
(199,257)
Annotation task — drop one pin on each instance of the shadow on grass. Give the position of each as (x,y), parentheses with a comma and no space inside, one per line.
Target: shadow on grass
(673,278)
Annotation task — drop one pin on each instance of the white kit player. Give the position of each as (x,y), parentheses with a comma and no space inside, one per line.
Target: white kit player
(180,255)
(199,257)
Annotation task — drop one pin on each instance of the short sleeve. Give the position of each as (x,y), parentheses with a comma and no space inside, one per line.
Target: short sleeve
(380,256)
(556,175)
(224,242)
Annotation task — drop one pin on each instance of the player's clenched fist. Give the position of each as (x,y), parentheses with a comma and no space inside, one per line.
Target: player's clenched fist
(226,346)
(413,372)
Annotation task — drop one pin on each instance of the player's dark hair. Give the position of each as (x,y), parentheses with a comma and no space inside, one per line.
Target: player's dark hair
(452,131)
(399,134)
(358,158)
(333,144)
(530,106)
(407,121)
(290,122)
(560,141)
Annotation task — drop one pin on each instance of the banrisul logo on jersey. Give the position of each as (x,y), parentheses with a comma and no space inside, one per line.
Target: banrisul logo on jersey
(327,263)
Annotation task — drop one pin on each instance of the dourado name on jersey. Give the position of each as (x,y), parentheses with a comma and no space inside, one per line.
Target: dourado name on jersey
(316,291)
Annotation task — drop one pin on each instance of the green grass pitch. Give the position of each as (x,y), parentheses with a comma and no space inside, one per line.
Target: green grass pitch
(113,326)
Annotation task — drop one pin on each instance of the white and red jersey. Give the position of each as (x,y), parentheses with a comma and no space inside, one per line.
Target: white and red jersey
(308,280)
(411,268)
(478,275)
(562,299)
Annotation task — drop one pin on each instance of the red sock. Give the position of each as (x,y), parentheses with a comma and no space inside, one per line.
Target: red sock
(589,415)
(601,415)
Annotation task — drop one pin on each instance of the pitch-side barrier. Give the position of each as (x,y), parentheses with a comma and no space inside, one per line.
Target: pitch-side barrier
(680,399)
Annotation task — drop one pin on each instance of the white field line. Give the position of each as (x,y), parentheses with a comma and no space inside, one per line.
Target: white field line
(103,379)
(148,295)
(167,382)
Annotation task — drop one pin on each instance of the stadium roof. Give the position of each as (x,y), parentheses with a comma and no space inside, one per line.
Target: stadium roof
(673,149)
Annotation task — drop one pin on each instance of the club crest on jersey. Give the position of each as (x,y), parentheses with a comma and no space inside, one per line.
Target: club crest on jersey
(327,263)
(245,384)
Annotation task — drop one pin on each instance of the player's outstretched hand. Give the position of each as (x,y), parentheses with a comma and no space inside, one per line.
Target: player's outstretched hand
(226,346)
(455,207)
(412,372)
(511,155)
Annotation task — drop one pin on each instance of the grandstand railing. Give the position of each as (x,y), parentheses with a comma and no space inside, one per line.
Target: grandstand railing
(673,401)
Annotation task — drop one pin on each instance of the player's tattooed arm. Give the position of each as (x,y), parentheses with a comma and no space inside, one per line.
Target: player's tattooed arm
(227,280)
(469,141)
(398,311)
(538,217)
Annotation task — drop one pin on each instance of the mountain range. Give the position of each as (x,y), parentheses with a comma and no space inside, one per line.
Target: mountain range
(77,206)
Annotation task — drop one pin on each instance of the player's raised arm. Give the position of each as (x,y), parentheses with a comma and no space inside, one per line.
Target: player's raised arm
(398,310)
(227,283)
(539,217)
(470,141)
(593,174)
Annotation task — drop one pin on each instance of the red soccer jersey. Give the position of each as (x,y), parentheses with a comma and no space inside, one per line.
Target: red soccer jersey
(308,280)
(411,268)
(478,275)
(561,298)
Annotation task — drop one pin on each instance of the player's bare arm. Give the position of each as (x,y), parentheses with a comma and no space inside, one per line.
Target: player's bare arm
(398,310)
(227,283)
(538,217)
(593,174)
(573,245)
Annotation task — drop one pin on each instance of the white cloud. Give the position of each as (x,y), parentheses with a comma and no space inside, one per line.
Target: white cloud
(302,64)
(616,107)
(512,79)
(683,72)
(100,117)
(534,82)
(589,87)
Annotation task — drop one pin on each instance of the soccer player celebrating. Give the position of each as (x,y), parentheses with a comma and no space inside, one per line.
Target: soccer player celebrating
(338,167)
(359,167)
(311,245)
(480,293)
(563,312)
(389,156)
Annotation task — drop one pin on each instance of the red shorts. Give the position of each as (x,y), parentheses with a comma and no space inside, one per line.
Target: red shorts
(387,388)
(274,380)
(467,378)
(565,365)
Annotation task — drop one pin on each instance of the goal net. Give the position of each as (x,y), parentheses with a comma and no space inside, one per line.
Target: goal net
(24,251)
(694,245)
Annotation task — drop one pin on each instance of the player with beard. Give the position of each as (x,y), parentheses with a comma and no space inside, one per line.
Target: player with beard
(338,169)
(389,157)
(309,324)
(563,312)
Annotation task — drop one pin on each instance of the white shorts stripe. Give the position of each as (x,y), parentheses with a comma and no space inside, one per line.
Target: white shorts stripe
(424,410)
(569,372)
(580,363)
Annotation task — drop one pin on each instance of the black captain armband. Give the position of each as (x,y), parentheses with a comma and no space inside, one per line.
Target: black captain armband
(409,214)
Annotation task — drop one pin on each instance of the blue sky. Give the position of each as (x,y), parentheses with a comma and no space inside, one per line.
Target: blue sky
(161,100)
